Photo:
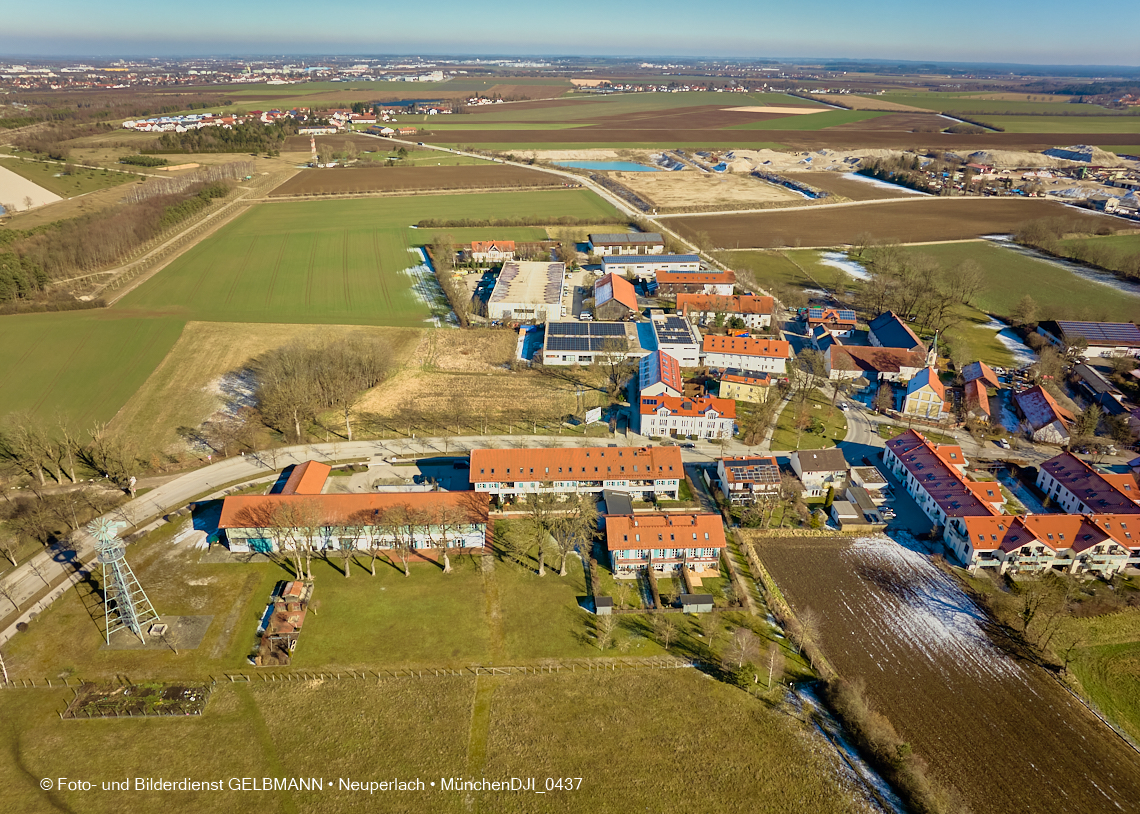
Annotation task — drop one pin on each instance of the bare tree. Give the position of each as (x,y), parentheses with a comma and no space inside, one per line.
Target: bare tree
(775,662)
(9,593)
(744,647)
(664,628)
(574,527)
(8,547)
(604,630)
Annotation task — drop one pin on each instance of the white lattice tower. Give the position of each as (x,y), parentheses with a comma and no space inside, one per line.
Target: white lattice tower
(125,603)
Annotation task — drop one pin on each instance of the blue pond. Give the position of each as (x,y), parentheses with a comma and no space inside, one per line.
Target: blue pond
(607,166)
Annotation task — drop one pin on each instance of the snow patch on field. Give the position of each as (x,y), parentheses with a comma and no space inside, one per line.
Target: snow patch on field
(1023,354)
(918,604)
(849,267)
(426,289)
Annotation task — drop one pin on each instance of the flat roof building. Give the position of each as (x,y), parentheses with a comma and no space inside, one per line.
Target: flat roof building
(527,292)
(572,342)
(678,338)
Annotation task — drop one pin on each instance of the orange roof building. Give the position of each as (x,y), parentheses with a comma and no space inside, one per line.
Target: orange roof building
(678,417)
(746,353)
(755,311)
(664,542)
(1076,543)
(514,473)
(307,478)
(614,298)
(1078,488)
(295,522)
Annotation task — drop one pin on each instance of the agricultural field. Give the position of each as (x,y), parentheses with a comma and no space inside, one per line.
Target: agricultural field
(328,262)
(83,364)
(401,179)
(703,190)
(890,618)
(852,188)
(1010,275)
(1106,125)
(455,726)
(49,175)
(1120,243)
(983,103)
(202,374)
(922,219)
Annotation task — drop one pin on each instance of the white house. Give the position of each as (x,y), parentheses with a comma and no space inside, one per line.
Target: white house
(748,353)
(819,469)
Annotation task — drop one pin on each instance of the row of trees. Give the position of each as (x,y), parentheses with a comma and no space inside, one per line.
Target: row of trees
(55,451)
(250,137)
(1051,235)
(443,262)
(298,381)
(565,525)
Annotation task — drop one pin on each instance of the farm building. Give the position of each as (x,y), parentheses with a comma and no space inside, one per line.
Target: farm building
(492,251)
(677,417)
(741,386)
(1098,543)
(872,363)
(527,292)
(571,342)
(644,472)
(1080,489)
(297,522)
(646,267)
(1103,338)
(678,338)
(747,353)
(980,371)
(1044,419)
(754,311)
(819,469)
(1099,390)
(836,321)
(977,400)
(742,480)
(665,542)
(614,298)
(659,374)
(888,330)
(926,397)
(675,283)
(631,243)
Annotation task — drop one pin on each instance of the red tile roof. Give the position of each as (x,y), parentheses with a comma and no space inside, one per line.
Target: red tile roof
(620,289)
(695,408)
(307,479)
(736,304)
(980,371)
(664,531)
(747,346)
(874,359)
(758,380)
(977,399)
(489,245)
(576,463)
(935,470)
(830,316)
(695,277)
(1100,492)
(1041,409)
(257,511)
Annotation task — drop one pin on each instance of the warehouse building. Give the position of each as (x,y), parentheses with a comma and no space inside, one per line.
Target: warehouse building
(649,267)
(627,243)
(527,292)
(614,298)
(570,342)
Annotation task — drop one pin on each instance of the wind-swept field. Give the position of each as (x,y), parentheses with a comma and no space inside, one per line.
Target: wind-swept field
(330,262)
(978,716)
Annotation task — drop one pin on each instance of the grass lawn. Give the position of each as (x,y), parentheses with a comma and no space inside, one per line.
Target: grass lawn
(1108,668)
(48,174)
(328,262)
(1066,124)
(834,425)
(1123,243)
(769,268)
(1010,276)
(889,431)
(84,364)
(425,157)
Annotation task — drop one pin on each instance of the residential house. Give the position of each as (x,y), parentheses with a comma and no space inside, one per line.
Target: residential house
(1103,544)
(1045,420)
(744,479)
(836,321)
(926,397)
(754,311)
(649,266)
(1078,488)
(745,386)
(875,364)
(644,472)
(669,416)
(631,243)
(675,283)
(492,251)
(1102,338)
(819,470)
(747,353)
(980,371)
(659,374)
(871,479)
(665,542)
(614,298)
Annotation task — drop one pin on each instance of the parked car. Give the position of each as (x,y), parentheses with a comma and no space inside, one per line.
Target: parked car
(1004,444)
(688,445)
(585,315)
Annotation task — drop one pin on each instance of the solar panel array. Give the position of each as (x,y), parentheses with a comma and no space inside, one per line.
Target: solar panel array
(1115,333)
(844,314)
(673,331)
(584,337)
(755,471)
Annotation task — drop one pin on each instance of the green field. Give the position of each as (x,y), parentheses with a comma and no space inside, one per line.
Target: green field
(84,364)
(968,103)
(771,268)
(813,121)
(1066,124)
(833,430)
(1059,293)
(332,262)
(48,174)
(1122,243)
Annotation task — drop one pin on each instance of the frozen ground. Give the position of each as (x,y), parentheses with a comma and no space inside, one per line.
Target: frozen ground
(1022,353)
(854,176)
(840,261)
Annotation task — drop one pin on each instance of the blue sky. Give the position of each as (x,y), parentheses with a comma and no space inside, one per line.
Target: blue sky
(1008,31)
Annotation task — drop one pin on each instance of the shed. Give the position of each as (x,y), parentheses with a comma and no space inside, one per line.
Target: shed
(696,603)
(603,605)
(843,512)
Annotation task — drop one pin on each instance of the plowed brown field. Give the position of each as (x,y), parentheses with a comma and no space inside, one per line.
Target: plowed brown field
(917,220)
(350,180)
(996,729)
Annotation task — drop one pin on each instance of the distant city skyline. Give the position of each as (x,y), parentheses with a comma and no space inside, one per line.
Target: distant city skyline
(1012,32)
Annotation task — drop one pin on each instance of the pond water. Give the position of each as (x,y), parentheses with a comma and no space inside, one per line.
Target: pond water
(607,166)
(1084,272)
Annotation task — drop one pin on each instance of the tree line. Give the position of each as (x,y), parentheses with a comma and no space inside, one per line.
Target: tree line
(1050,236)
(248,137)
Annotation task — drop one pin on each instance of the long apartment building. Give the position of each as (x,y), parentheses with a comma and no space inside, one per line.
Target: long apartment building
(1072,543)
(644,472)
(748,353)
(664,542)
(676,416)
(1079,489)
